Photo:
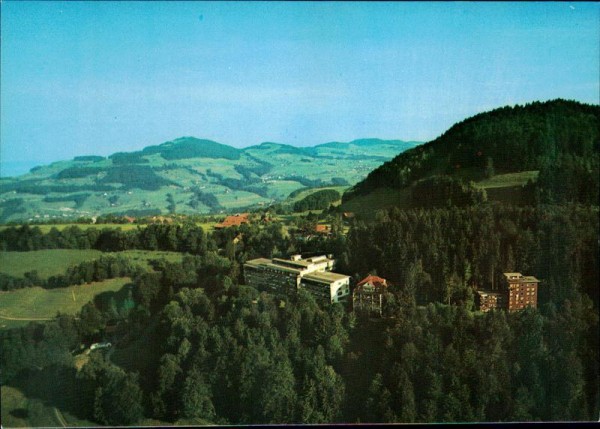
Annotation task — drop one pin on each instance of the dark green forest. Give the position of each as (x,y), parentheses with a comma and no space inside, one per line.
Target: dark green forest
(319,200)
(193,344)
(222,352)
(560,138)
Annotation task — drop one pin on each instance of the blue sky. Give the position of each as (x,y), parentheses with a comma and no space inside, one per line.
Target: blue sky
(99,77)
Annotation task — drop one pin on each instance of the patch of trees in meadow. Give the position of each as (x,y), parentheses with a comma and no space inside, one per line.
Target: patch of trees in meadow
(185,237)
(106,267)
(445,191)
(319,200)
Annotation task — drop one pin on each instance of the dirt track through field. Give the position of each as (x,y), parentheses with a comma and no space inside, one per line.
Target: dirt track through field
(26,319)
(60,418)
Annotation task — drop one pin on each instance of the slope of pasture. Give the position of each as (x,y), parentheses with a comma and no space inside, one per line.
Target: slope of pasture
(46,262)
(52,262)
(19,307)
(143,257)
(508,179)
(309,191)
(18,410)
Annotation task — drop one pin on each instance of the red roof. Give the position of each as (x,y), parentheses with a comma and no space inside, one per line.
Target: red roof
(374,280)
(322,228)
(236,220)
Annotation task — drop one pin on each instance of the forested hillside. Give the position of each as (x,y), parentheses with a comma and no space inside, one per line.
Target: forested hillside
(200,346)
(194,344)
(560,139)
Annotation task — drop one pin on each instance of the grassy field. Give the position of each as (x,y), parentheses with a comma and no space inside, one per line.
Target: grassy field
(56,261)
(19,307)
(207,226)
(46,262)
(508,180)
(60,226)
(142,257)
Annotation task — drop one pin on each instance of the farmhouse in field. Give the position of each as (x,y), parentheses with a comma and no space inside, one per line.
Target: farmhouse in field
(289,275)
(235,220)
(517,292)
(368,296)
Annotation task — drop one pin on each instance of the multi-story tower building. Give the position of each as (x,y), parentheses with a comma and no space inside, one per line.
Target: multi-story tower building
(517,292)
(521,291)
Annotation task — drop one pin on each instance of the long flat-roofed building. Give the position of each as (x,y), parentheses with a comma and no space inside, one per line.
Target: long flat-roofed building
(288,275)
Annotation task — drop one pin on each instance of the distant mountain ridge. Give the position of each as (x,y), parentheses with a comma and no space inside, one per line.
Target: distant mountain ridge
(187,175)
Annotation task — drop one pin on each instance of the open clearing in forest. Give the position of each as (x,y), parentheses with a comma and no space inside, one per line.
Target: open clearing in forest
(56,261)
(46,262)
(19,307)
(508,179)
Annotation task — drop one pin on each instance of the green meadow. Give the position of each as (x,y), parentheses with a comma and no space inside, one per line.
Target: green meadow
(46,262)
(56,261)
(19,307)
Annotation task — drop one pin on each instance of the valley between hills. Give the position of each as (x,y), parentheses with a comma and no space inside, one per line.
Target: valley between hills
(187,176)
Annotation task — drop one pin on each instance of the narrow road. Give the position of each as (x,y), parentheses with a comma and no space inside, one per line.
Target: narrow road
(30,319)
(60,418)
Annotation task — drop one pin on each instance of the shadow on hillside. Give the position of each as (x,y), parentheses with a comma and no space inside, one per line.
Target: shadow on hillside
(55,386)
(19,413)
(104,300)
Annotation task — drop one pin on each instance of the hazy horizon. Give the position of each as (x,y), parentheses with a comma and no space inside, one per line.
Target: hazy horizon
(94,78)
(23,167)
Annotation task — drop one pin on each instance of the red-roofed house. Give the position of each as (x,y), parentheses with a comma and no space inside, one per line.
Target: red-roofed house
(235,220)
(322,229)
(368,296)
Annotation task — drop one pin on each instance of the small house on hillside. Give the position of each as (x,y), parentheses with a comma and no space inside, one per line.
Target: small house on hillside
(322,229)
(368,296)
(235,220)
(347,216)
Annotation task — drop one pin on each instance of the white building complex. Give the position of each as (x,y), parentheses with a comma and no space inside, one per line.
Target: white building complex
(288,275)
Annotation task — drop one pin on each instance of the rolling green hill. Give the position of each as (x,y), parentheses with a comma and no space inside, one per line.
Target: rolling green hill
(187,175)
(552,146)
